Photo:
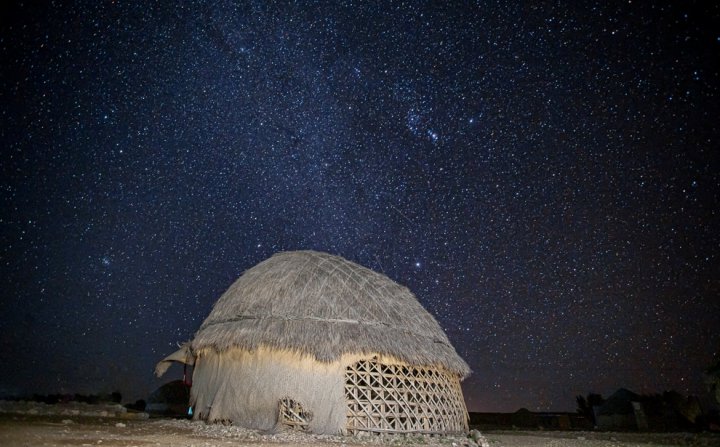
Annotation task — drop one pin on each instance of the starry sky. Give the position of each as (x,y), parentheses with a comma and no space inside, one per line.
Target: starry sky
(543,175)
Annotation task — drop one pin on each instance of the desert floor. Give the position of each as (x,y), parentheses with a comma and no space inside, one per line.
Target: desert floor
(57,431)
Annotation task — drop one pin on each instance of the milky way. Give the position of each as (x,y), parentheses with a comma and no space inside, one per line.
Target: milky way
(545,178)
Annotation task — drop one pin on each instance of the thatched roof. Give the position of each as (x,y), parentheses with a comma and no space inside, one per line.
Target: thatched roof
(325,306)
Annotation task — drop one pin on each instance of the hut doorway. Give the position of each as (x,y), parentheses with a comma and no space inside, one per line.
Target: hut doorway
(292,414)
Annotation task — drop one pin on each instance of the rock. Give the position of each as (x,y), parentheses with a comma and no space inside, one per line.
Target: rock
(479,439)
(67,421)
(120,424)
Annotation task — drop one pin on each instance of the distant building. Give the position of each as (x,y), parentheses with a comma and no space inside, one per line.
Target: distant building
(618,412)
(171,399)
(526,419)
(625,410)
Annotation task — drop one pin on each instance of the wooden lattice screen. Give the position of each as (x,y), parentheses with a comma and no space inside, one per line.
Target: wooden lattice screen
(402,399)
(293,415)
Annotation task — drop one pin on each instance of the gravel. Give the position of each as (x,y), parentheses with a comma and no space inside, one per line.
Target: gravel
(219,431)
(32,408)
(79,424)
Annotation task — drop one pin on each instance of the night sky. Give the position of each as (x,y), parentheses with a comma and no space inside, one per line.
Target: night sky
(544,176)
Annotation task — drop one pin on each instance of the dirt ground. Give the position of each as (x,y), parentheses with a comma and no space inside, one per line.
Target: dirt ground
(57,431)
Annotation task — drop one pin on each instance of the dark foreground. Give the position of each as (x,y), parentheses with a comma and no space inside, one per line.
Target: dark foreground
(56,431)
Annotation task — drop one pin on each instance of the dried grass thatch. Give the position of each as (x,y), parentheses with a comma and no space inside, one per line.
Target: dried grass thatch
(324,306)
(182,355)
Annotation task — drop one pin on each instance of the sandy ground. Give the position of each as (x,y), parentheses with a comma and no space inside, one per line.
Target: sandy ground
(57,431)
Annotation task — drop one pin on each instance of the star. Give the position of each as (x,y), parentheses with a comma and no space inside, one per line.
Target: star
(552,201)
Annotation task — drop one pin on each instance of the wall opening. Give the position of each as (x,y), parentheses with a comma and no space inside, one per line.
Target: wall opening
(291,413)
(384,398)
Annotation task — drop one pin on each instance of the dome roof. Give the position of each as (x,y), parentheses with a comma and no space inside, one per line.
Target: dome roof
(325,306)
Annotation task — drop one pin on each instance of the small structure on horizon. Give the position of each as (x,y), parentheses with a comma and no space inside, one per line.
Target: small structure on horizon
(620,411)
(314,342)
(170,399)
(669,411)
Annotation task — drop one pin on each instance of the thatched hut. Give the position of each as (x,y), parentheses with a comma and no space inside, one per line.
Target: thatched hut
(314,342)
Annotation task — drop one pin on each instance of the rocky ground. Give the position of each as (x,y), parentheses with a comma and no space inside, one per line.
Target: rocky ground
(77,425)
(70,409)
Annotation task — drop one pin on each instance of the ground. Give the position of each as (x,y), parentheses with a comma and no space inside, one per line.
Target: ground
(85,431)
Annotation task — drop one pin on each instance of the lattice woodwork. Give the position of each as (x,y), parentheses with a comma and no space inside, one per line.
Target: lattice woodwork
(403,399)
(292,414)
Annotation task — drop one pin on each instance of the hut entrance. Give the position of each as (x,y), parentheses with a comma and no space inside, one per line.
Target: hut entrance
(293,415)
(402,399)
